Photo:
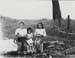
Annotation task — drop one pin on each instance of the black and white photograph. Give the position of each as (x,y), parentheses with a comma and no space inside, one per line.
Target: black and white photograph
(37,28)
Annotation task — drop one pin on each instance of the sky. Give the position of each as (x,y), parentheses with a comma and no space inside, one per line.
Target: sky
(34,9)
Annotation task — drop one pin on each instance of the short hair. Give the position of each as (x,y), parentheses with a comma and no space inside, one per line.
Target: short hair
(41,25)
(22,23)
(29,28)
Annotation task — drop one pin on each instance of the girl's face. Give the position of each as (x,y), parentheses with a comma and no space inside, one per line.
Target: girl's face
(39,25)
(21,25)
(29,31)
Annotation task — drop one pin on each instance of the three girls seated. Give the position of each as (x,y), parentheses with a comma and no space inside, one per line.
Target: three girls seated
(24,38)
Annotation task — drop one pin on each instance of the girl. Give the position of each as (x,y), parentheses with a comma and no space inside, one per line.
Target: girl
(20,34)
(29,40)
(39,33)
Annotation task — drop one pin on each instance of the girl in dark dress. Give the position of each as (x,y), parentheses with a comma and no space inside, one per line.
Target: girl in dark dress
(21,37)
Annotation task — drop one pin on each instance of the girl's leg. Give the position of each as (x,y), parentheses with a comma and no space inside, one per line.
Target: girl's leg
(34,48)
(23,41)
(19,47)
(31,46)
(28,47)
(25,48)
(41,47)
(37,46)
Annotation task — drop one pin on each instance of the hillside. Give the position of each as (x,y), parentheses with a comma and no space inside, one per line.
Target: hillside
(10,25)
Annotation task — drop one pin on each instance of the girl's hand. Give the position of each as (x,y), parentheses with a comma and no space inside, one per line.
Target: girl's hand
(19,35)
(14,40)
(40,35)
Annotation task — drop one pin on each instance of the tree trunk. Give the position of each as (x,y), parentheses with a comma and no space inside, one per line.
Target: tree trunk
(56,11)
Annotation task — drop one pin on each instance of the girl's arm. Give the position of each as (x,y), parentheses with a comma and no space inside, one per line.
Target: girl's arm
(26,37)
(15,38)
(35,33)
(32,36)
(17,33)
(44,33)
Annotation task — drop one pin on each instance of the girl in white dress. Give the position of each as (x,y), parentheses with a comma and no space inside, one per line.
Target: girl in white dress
(40,32)
(29,40)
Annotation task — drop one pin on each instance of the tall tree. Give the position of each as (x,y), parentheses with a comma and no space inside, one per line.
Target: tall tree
(56,11)
(68,23)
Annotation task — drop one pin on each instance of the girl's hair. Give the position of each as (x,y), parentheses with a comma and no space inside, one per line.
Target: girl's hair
(22,23)
(29,28)
(41,25)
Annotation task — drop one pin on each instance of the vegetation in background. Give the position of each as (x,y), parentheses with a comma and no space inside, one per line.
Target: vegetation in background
(54,34)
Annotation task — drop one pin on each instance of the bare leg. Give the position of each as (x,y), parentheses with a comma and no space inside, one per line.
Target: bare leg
(32,48)
(28,50)
(41,47)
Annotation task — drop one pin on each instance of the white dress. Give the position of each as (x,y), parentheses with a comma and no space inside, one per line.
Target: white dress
(39,32)
(6,45)
(22,32)
(30,36)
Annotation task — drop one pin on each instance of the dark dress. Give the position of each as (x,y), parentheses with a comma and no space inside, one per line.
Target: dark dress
(22,40)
